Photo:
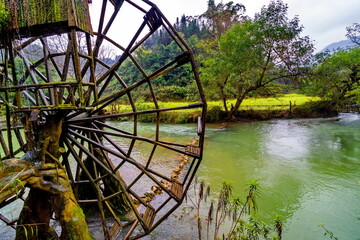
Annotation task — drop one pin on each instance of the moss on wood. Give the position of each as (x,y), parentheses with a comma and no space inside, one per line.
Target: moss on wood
(46,17)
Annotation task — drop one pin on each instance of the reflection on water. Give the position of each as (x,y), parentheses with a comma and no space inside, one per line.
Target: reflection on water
(277,142)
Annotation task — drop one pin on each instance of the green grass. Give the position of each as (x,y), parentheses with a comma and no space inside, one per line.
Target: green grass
(281,102)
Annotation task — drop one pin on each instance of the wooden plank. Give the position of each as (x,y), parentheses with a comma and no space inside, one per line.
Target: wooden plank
(149,217)
(114,230)
(193,150)
(3,145)
(177,189)
(19,137)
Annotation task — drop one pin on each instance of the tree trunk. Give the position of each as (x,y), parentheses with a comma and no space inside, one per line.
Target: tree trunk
(223,94)
(234,109)
(35,217)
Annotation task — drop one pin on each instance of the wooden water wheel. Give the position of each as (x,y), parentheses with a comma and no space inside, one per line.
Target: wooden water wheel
(56,89)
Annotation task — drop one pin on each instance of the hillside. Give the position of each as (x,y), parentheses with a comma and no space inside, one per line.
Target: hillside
(344,44)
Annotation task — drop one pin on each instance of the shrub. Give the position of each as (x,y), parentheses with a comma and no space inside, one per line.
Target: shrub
(170,93)
(215,114)
(315,109)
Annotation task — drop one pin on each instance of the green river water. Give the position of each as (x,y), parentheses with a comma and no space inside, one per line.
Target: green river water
(308,170)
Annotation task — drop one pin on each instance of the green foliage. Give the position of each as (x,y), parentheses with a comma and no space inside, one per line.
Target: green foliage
(238,213)
(4,15)
(315,109)
(171,93)
(255,54)
(159,49)
(15,184)
(151,60)
(240,56)
(337,76)
(353,33)
(219,18)
(215,114)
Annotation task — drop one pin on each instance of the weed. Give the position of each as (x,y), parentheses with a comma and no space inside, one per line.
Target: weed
(230,211)
(327,232)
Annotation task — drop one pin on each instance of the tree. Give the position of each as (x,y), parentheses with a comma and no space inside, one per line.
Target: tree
(219,18)
(353,33)
(255,54)
(337,76)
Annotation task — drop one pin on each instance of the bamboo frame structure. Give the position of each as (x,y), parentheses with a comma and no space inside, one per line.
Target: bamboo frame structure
(75,81)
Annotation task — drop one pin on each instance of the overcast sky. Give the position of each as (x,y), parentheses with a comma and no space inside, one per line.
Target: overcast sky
(323,20)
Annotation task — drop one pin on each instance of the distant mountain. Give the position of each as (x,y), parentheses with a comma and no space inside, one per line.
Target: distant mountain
(344,44)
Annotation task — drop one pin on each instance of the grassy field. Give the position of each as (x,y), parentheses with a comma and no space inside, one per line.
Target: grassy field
(251,108)
(281,102)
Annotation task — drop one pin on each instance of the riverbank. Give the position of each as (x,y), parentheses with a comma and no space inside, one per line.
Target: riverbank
(253,109)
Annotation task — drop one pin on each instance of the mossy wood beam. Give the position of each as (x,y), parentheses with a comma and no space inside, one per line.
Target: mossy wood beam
(17,100)
(98,39)
(65,69)
(33,18)
(77,66)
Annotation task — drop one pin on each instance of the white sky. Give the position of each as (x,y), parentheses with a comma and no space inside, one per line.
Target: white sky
(325,21)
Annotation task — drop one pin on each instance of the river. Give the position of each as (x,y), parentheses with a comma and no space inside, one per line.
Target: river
(308,170)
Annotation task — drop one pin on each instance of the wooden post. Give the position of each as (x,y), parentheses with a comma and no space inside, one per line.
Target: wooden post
(77,67)
(7,99)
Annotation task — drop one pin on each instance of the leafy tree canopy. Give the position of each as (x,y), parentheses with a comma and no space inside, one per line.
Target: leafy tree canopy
(337,76)
(353,33)
(256,53)
(219,18)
